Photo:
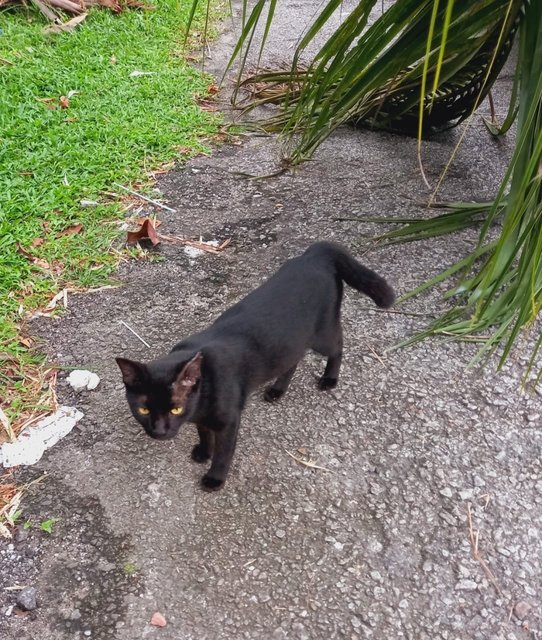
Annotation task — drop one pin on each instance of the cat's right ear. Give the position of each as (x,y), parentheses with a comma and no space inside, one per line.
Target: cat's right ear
(133,373)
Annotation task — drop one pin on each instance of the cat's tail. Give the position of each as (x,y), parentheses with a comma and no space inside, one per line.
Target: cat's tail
(356,275)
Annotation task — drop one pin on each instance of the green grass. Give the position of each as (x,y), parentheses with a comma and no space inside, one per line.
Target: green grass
(116,129)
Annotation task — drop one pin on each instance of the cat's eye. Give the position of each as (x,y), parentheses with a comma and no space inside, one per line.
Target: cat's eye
(143,411)
(177,411)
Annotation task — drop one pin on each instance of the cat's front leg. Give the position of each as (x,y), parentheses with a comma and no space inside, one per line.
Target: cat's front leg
(204,450)
(225,441)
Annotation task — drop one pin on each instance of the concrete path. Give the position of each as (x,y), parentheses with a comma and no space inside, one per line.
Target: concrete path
(378,546)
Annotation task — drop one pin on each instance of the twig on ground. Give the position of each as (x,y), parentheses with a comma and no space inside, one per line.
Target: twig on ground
(307,463)
(147,199)
(375,354)
(474,536)
(136,334)
(399,313)
(203,246)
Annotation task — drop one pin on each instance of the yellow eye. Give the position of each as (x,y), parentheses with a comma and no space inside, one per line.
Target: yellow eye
(143,411)
(177,411)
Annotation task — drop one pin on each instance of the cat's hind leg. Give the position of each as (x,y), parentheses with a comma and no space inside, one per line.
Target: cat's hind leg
(204,450)
(278,388)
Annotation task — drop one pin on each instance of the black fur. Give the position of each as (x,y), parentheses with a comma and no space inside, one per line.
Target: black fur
(261,338)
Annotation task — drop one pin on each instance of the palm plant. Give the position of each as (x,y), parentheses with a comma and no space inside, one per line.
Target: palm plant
(422,66)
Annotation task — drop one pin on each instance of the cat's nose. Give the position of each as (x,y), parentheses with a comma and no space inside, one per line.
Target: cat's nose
(160,428)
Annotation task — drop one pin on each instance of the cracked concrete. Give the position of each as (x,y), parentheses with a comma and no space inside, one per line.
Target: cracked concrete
(377,546)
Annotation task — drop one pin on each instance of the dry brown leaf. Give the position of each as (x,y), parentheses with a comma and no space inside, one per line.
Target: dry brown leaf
(207,105)
(146,231)
(155,223)
(37,242)
(39,262)
(212,88)
(64,102)
(158,620)
(65,26)
(71,230)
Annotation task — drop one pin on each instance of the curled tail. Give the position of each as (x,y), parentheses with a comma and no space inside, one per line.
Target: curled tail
(355,274)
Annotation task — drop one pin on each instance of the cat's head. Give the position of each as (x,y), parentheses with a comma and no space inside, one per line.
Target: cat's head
(162,395)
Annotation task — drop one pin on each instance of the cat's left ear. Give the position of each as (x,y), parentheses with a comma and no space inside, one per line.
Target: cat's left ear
(133,373)
(186,380)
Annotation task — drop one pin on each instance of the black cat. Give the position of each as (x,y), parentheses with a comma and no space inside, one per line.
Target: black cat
(207,378)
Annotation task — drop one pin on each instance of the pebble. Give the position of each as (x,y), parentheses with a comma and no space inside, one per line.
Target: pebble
(80,379)
(27,599)
(466,585)
(21,534)
(446,492)
(280,533)
(521,610)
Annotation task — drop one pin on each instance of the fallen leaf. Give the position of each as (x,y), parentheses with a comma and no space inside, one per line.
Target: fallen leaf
(212,88)
(25,253)
(71,230)
(146,230)
(158,619)
(207,105)
(64,102)
(61,296)
(37,242)
(65,26)
(155,223)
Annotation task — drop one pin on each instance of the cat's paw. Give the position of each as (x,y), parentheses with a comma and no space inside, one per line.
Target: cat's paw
(199,454)
(271,394)
(326,383)
(211,484)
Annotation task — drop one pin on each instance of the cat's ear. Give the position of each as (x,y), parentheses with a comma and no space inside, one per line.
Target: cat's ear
(186,379)
(133,373)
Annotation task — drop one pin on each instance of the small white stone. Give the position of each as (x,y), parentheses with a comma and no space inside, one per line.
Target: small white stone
(466,585)
(82,379)
(446,492)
